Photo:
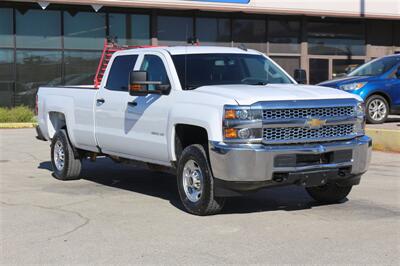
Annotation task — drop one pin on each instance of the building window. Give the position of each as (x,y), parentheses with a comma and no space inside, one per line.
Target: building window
(80,67)
(6,27)
(284,36)
(289,64)
(379,32)
(319,70)
(396,35)
(336,38)
(84,30)
(6,77)
(38,29)
(250,32)
(342,67)
(213,31)
(130,29)
(174,30)
(34,69)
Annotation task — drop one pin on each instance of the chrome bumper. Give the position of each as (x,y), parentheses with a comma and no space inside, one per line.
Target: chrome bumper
(243,163)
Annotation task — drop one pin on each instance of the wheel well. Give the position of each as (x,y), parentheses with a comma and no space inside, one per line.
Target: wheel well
(384,95)
(57,122)
(186,135)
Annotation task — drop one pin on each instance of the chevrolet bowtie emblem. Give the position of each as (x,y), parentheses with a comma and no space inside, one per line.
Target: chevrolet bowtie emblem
(315,123)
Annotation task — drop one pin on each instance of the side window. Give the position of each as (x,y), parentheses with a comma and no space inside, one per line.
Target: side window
(118,78)
(155,70)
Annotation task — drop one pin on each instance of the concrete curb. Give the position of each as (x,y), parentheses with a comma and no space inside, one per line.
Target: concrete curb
(17,125)
(385,139)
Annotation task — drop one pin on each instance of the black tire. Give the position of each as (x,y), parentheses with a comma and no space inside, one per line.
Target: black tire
(207,203)
(72,166)
(329,193)
(373,99)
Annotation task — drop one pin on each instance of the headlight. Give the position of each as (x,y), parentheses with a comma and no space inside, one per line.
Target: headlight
(242,133)
(242,124)
(360,113)
(360,109)
(241,113)
(352,86)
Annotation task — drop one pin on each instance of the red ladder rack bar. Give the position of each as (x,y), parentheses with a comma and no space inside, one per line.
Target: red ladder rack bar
(109,48)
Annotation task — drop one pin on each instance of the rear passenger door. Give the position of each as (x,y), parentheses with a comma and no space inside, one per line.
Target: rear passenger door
(110,105)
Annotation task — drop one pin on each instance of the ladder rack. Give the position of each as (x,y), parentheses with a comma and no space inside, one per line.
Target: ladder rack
(109,48)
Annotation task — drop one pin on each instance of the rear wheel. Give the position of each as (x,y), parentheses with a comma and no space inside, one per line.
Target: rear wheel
(195,182)
(65,165)
(329,193)
(377,109)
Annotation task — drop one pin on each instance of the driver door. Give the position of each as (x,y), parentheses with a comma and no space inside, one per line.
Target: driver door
(146,117)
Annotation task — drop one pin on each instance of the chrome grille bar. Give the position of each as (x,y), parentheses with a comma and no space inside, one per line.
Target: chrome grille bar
(307,112)
(301,135)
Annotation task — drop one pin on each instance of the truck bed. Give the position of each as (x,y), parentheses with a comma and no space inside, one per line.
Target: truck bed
(76,102)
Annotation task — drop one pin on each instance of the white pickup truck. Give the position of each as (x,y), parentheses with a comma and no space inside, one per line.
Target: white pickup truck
(225,120)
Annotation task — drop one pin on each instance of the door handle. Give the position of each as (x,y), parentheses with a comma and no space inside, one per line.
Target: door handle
(100,101)
(132,104)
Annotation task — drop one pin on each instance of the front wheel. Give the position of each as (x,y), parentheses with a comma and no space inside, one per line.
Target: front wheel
(377,109)
(196,184)
(329,193)
(65,165)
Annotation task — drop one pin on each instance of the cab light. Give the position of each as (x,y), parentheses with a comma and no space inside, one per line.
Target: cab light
(230,133)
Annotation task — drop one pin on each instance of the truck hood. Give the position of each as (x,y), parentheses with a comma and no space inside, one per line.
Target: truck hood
(249,94)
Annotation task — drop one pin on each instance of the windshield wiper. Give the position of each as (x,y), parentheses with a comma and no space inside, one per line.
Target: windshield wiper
(258,83)
(191,87)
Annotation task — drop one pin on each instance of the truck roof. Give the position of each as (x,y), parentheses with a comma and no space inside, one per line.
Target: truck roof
(176,50)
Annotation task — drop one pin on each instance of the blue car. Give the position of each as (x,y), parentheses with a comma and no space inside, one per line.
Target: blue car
(378,83)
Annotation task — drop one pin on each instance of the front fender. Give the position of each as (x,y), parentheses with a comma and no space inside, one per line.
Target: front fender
(205,116)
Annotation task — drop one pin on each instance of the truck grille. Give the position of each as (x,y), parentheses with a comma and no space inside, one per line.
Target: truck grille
(308,121)
(308,112)
(301,134)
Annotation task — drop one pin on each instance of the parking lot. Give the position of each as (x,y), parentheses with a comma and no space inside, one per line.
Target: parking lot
(119,214)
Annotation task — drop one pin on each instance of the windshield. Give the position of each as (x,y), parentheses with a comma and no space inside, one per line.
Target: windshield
(196,70)
(376,67)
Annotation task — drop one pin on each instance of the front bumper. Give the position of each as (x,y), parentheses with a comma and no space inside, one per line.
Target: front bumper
(263,163)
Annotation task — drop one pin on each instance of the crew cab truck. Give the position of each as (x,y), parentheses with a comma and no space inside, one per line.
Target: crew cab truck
(225,120)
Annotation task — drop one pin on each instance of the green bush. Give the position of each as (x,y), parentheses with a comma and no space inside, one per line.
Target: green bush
(16,114)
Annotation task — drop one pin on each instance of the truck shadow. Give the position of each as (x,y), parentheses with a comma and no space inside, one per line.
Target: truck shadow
(163,186)
(133,114)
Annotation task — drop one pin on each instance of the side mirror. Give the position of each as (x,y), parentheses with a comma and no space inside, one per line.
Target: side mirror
(300,76)
(139,85)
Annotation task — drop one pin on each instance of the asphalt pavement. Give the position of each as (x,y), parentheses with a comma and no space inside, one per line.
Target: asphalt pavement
(120,214)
